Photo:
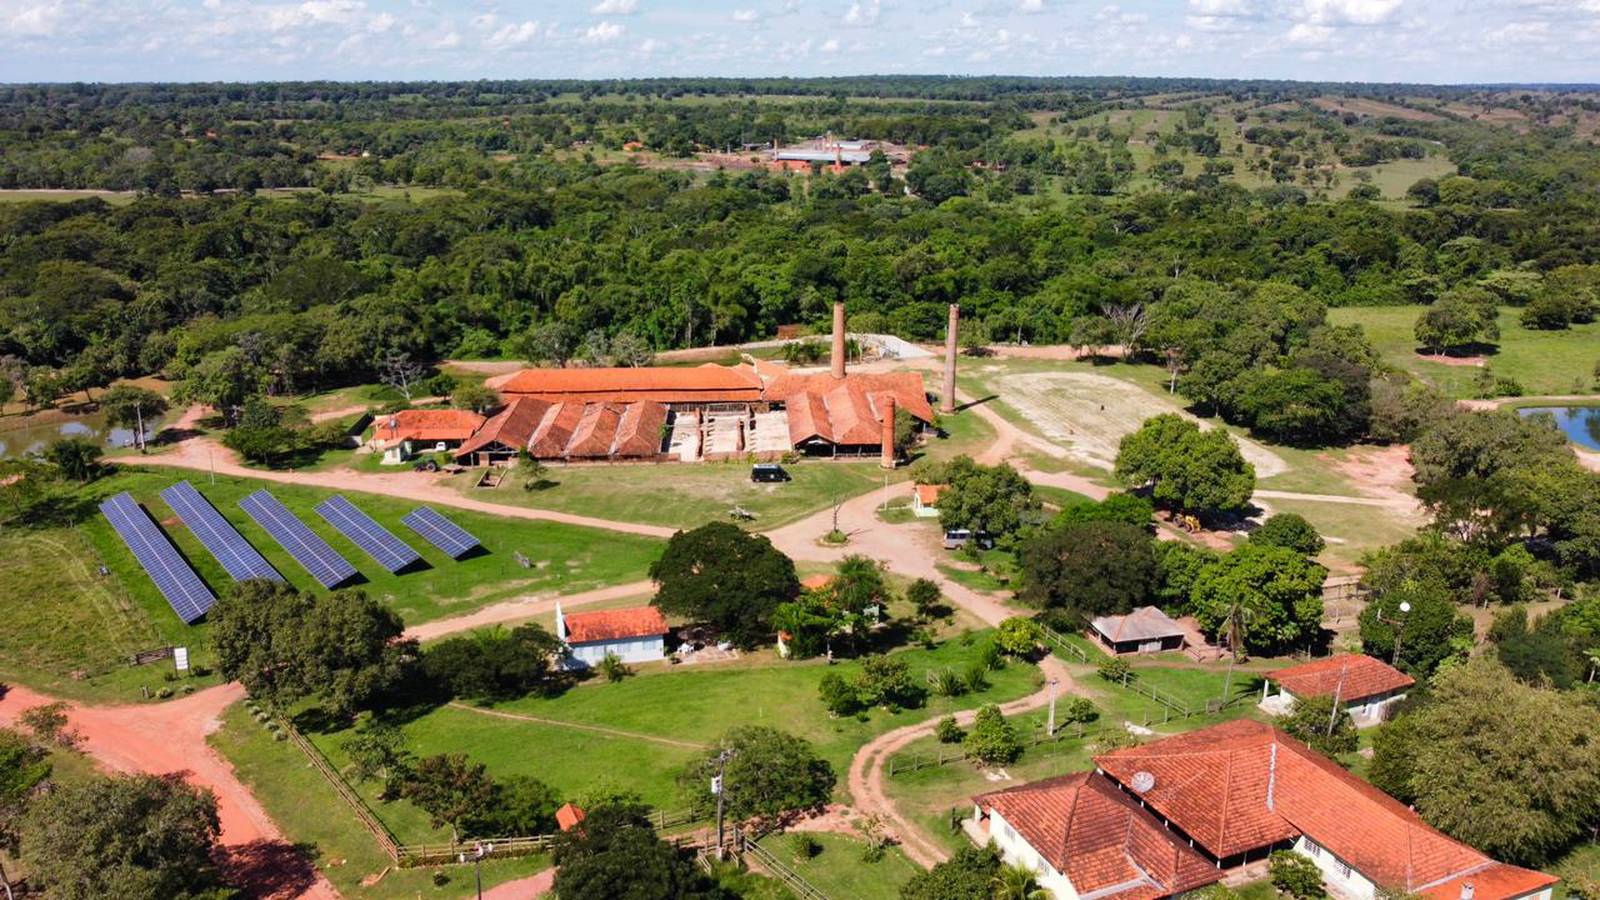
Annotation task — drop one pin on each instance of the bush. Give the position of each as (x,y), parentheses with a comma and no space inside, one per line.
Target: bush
(947,683)
(613,669)
(1114,668)
(1289,530)
(806,847)
(1296,875)
(992,740)
(977,677)
(1079,709)
(1018,636)
(948,732)
(838,696)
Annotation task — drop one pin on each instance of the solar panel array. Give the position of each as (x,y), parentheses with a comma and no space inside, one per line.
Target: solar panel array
(242,561)
(172,574)
(378,542)
(440,532)
(306,546)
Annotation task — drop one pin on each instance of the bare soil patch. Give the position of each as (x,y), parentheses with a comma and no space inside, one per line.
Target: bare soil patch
(1088,415)
(1464,361)
(1381,472)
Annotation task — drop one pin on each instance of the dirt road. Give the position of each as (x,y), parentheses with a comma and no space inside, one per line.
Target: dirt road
(524,608)
(169,738)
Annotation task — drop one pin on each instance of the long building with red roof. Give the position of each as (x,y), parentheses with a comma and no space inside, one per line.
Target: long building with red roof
(1366,687)
(1235,792)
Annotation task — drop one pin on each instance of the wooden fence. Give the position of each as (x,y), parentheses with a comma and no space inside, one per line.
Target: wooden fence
(1059,642)
(801,888)
(458,852)
(380,831)
(1172,707)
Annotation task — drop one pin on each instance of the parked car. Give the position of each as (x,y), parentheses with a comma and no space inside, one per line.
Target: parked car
(769,472)
(956,538)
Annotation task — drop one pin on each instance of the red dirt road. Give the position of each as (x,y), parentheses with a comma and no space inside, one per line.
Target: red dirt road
(169,738)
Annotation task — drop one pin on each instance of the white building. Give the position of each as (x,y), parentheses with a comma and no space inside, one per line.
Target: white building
(635,635)
(1366,687)
(925,500)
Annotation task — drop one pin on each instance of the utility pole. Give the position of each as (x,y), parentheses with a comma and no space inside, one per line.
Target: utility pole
(718,787)
(479,851)
(138,415)
(1050,727)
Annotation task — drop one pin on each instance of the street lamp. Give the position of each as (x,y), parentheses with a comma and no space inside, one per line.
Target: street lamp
(479,851)
(1399,631)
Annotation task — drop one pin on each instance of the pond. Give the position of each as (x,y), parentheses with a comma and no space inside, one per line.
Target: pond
(20,442)
(1581,424)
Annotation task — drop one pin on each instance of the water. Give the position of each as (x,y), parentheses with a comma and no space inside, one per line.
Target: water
(1581,424)
(23,441)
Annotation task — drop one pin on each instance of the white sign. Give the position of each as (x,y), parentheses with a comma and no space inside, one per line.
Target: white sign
(716,784)
(180,657)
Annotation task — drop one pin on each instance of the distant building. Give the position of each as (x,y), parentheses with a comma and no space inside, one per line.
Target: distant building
(635,635)
(568,817)
(925,500)
(408,432)
(1366,687)
(1145,630)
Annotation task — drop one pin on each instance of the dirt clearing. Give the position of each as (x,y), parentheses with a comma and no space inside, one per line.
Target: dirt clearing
(1088,414)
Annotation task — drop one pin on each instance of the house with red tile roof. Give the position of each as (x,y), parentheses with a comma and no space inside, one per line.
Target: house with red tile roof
(410,431)
(1366,687)
(925,499)
(1235,792)
(505,434)
(636,634)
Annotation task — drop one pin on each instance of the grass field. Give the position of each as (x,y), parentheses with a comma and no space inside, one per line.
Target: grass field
(305,808)
(1543,362)
(688,705)
(69,630)
(840,871)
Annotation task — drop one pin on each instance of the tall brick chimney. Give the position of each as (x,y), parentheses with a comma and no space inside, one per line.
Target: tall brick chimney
(947,400)
(888,433)
(838,340)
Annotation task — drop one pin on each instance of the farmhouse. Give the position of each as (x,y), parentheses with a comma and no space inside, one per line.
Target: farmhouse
(1366,687)
(636,634)
(1145,630)
(925,500)
(1150,819)
(411,431)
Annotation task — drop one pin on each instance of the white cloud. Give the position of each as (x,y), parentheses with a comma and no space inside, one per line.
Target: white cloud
(32,19)
(615,7)
(1350,12)
(603,33)
(1307,33)
(313,12)
(1031,6)
(380,23)
(446,41)
(745,15)
(513,34)
(649,46)
(863,13)
(831,45)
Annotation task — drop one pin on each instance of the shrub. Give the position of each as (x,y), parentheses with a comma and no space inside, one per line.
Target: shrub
(925,596)
(806,846)
(838,696)
(947,683)
(977,678)
(1079,709)
(1289,530)
(992,658)
(1114,668)
(1296,875)
(1018,636)
(613,669)
(992,740)
(948,732)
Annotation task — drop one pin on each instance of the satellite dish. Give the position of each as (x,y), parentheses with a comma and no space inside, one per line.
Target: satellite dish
(1142,782)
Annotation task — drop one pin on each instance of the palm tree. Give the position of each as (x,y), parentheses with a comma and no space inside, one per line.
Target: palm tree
(1593,653)
(1238,622)
(1017,883)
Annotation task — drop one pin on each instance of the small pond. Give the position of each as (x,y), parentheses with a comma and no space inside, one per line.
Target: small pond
(1581,424)
(22,441)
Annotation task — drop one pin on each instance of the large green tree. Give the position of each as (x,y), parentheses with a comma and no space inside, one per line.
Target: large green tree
(130,406)
(767,772)
(1090,568)
(1278,592)
(724,576)
(1430,631)
(991,499)
(1185,466)
(616,854)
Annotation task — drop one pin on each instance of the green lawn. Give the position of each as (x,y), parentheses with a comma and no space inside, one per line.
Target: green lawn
(307,811)
(688,704)
(1349,529)
(840,871)
(1544,362)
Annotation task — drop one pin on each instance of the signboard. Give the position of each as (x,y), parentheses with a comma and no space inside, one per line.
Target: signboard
(716,784)
(180,657)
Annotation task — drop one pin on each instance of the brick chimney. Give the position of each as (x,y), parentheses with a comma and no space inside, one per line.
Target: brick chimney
(838,340)
(947,402)
(888,433)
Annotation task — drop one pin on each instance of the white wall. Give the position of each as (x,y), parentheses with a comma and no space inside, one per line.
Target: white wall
(1017,851)
(632,650)
(1345,881)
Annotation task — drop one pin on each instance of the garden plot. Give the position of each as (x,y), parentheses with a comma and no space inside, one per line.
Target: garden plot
(1088,414)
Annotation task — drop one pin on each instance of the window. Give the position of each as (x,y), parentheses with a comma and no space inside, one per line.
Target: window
(1313,848)
(1010,835)
(1344,869)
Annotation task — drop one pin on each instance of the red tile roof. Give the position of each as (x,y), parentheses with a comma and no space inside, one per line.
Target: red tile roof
(639,431)
(554,431)
(709,383)
(596,429)
(910,393)
(569,816)
(1495,880)
(427,425)
(1243,785)
(1352,675)
(511,427)
(1100,838)
(614,624)
(929,493)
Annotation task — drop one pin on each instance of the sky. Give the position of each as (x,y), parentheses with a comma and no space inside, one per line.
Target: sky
(1436,41)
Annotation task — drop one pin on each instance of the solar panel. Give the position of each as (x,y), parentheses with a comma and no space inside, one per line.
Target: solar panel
(440,532)
(173,576)
(378,542)
(306,546)
(242,561)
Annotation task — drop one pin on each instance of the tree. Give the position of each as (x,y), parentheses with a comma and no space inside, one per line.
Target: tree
(1278,590)
(767,773)
(631,350)
(617,854)
(990,499)
(48,722)
(398,370)
(1299,406)
(1185,466)
(1506,767)
(1296,875)
(1018,882)
(838,696)
(520,806)
(721,574)
(1457,321)
(992,740)
(24,766)
(858,585)
(1289,530)
(474,396)
(1130,509)
(133,407)
(1089,568)
(496,664)
(1018,636)
(886,681)
(550,343)
(125,836)
(76,457)
(1314,722)
(342,648)
(968,875)
(222,380)
(1430,632)
(450,789)
(925,597)
(378,750)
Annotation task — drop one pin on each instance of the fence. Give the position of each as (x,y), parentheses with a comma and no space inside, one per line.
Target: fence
(801,888)
(412,855)
(380,831)
(1058,642)
(1172,706)
(149,656)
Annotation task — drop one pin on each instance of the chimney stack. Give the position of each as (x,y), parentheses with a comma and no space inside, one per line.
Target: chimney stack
(838,340)
(947,402)
(888,432)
